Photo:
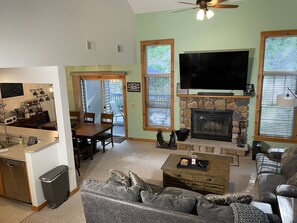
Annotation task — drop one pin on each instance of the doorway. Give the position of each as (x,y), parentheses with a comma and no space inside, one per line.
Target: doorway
(99,92)
(104,96)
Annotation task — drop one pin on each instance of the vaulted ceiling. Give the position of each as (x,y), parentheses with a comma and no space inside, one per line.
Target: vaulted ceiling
(146,6)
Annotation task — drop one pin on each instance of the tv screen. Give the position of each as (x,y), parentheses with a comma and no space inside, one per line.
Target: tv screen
(214,70)
(9,90)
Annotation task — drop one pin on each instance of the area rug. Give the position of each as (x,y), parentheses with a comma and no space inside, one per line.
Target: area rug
(118,139)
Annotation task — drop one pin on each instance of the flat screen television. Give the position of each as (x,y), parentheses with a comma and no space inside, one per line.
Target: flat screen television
(214,70)
(9,90)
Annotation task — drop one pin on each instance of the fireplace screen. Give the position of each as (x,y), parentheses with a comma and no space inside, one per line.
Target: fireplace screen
(212,124)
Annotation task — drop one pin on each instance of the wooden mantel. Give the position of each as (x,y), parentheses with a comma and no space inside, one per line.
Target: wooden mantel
(213,96)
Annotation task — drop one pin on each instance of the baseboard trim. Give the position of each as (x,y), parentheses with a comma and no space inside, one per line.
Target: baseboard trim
(44,204)
(141,139)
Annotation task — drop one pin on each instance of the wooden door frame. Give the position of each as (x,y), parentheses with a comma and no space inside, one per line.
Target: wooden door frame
(99,75)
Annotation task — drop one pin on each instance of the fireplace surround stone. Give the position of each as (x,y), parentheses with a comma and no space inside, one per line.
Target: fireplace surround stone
(239,106)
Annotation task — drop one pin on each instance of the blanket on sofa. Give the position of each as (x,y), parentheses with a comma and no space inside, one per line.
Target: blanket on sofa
(248,213)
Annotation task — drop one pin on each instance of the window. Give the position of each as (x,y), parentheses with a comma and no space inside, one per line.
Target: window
(277,75)
(157,68)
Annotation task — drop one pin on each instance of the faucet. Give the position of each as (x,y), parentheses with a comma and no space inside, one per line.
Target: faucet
(7,137)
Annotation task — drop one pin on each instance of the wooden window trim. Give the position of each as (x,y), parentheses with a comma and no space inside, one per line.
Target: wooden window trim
(264,36)
(143,45)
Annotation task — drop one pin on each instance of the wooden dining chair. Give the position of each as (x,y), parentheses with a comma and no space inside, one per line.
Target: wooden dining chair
(75,116)
(80,151)
(89,117)
(106,119)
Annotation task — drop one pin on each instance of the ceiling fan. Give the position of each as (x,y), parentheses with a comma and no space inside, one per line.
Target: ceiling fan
(205,4)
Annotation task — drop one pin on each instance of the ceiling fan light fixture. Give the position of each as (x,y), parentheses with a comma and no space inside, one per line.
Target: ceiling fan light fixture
(200,14)
(209,14)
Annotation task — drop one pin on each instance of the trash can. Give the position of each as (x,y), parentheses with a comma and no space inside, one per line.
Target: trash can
(55,186)
(182,134)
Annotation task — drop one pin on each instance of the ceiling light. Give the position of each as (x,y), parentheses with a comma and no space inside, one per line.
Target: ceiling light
(200,14)
(209,14)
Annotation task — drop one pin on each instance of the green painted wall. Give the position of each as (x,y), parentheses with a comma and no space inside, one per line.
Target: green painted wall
(229,29)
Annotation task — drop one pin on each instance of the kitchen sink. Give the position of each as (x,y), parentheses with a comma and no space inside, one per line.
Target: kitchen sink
(4,144)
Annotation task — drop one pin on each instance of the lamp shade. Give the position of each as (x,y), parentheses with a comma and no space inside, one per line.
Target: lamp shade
(200,14)
(285,100)
(209,14)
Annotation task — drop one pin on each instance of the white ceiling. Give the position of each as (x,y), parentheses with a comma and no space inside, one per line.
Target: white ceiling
(145,6)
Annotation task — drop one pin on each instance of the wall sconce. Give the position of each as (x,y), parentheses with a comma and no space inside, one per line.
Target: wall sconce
(51,91)
(286,100)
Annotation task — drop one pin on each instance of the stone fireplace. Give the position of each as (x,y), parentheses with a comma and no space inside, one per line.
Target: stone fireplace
(236,107)
(211,124)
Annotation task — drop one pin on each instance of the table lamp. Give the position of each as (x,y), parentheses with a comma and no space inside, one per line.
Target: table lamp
(286,100)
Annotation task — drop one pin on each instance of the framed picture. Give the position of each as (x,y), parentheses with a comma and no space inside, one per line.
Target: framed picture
(181,91)
(133,87)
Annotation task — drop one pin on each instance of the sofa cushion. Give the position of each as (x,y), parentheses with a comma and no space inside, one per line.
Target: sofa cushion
(227,199)
(267,186)
(169,202)
(137,181)
(120,177)
(121,192)
(289,168)
(265,165)
(214,212)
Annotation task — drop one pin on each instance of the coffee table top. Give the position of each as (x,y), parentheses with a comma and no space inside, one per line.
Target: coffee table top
(216,167)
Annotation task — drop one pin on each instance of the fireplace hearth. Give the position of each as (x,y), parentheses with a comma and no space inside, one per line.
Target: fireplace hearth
(211,124)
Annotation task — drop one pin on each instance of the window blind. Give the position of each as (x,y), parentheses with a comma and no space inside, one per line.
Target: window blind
(276,121)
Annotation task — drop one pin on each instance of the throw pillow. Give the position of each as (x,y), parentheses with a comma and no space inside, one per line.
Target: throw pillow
(213,212)
(288,153)
(227,199)
(120,192)
(290,167)
(248,213)
(120,177)
(179,191)
(293,180)
(169,202)
(137,181)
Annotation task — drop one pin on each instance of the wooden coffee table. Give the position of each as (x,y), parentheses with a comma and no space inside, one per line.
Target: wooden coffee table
(213,180)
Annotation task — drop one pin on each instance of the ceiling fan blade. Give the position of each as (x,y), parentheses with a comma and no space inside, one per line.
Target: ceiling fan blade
(184,9)
(188,3)
(214,2)
(224,6)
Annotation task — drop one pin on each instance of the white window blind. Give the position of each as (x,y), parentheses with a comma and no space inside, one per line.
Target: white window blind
(276,121)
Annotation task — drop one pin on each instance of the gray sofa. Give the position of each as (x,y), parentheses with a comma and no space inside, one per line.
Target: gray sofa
(277,175)
(112,202)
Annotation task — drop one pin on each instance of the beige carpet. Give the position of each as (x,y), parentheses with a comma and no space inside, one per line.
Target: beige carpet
(142,158)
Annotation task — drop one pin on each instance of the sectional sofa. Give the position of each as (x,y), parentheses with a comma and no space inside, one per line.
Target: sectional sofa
(130,199)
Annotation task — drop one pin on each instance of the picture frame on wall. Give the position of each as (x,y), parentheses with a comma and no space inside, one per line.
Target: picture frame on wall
(181,91)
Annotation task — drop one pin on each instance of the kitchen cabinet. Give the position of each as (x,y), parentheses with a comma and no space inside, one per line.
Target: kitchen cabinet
(14,180)
(1,185)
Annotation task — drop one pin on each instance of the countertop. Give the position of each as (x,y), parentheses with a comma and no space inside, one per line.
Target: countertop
(45,138)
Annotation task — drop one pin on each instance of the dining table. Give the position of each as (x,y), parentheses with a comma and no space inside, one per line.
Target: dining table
(90,131)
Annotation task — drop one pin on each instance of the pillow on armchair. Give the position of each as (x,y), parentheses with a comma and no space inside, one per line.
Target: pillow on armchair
(288,153)
(289,168)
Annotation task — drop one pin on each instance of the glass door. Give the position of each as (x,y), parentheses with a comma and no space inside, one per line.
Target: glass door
(104,96)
